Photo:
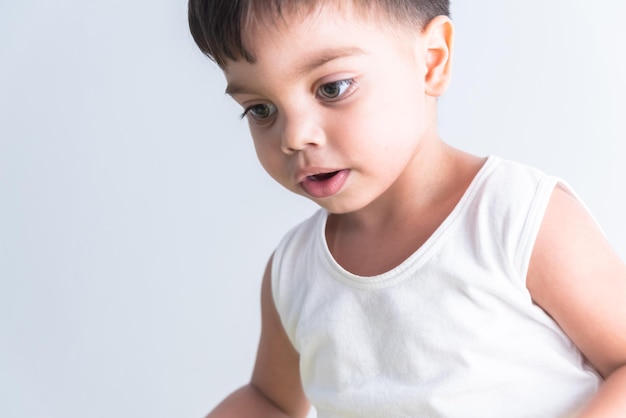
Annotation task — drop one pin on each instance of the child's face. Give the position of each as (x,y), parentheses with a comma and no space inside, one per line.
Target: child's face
(337,105)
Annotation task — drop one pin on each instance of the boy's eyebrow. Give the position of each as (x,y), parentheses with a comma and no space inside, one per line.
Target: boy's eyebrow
(317,60)
(325,56)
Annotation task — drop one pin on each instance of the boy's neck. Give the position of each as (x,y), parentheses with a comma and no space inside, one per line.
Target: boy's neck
(381,236)
(430,178)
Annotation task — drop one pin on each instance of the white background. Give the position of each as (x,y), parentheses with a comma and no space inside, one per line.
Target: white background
(135,221)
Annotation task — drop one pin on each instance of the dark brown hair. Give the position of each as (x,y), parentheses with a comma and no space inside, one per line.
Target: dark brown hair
(217,25)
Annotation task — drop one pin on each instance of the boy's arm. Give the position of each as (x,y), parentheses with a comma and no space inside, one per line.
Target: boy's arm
(578,279)
(275,389)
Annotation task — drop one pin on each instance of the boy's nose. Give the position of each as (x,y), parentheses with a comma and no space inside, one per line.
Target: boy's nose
(301,132)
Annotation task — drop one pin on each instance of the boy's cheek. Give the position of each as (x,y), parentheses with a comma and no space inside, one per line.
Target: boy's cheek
(271,160)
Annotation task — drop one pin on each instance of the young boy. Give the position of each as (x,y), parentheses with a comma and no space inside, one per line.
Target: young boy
(431,283)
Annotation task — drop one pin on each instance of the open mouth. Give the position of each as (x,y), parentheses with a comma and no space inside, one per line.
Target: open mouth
(322,185)
(322,176)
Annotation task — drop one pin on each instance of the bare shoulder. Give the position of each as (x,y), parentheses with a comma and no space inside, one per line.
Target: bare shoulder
(578,279)
(276,372)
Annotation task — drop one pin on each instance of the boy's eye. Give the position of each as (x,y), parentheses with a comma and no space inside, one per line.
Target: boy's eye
(335,89)
(260,111)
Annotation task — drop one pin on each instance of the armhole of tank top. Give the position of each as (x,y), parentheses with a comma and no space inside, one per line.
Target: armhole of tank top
(275,288)
(276,274)
(530,229)
(275,259)
(536,213)
(273,278)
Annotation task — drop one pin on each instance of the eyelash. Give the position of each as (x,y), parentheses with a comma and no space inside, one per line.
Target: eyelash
(351,85)
(248,109)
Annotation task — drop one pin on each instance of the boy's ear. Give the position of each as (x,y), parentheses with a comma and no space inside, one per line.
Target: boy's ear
(438,38)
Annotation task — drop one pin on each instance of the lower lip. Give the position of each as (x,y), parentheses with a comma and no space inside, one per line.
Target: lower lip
(320,189)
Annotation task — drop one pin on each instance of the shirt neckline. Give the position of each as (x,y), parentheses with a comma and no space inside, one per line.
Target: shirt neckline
(415,260)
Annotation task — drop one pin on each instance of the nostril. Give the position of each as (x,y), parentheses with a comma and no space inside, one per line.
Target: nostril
(298,135)
(288,150)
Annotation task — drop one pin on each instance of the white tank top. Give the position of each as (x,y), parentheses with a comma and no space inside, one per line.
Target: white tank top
(450,332)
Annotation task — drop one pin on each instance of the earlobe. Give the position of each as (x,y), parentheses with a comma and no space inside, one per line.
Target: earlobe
(439,37)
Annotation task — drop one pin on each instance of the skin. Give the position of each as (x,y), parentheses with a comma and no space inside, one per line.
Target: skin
(360,99)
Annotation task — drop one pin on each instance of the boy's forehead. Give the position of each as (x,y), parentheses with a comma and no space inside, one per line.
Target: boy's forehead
(263,28)
(280,15)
